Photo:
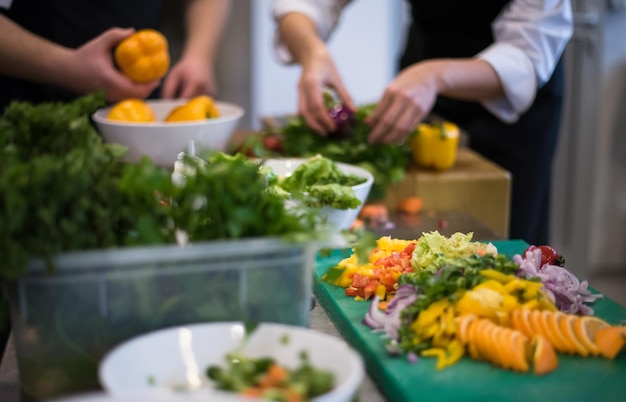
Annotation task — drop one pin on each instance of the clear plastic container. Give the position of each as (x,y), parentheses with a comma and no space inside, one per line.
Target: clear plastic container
(64,323)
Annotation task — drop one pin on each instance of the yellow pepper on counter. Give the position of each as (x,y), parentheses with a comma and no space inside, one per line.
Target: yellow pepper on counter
(198,108)
(143,56)
(435,145)
(132,110)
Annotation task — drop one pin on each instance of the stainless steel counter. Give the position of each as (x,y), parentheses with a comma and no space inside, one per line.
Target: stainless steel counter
(405,227)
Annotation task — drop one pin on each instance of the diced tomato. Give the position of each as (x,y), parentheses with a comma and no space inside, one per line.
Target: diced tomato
(370,288)
(387,278)
(410,248)
(359,280)
(353,292)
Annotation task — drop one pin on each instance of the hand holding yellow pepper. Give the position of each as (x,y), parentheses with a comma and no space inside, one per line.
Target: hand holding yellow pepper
(198,108)
(435,145)
(143,56)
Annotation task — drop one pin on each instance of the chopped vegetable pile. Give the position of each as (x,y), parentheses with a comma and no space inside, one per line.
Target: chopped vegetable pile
(447,297)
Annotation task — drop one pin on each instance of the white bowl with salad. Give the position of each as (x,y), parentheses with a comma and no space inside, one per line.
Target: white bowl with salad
(338,189)
(267,362)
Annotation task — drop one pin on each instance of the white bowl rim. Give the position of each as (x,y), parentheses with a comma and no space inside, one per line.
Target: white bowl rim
(237,112)
(353,380)
(366,173)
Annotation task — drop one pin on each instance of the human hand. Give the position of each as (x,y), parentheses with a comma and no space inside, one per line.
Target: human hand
(93,69)
(319,72)
(406,101)
(191,76)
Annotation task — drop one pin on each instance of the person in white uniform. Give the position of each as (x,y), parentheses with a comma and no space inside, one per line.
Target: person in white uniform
(491,66)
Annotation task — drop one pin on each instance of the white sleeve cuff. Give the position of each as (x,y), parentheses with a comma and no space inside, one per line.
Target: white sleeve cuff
(314,13)
(5,4)
(517,75)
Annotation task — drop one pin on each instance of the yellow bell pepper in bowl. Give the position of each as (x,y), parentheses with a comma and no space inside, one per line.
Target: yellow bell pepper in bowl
(198,108)
(132,110)
(435,145)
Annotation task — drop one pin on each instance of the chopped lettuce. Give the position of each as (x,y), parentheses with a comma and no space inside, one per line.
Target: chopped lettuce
(434,250)
(332,195)
(322,183)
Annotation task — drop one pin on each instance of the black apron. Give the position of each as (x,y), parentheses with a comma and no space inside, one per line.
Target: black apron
(71,23)
(461,28)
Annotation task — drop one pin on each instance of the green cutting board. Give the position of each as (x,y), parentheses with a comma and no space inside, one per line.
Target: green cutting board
(576,379)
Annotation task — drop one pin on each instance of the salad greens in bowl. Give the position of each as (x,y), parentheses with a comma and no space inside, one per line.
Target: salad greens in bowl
(268,361)
(338,190)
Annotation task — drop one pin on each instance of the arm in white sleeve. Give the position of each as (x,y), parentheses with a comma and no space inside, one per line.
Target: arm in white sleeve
(323,13)
(530,37)
(5,3)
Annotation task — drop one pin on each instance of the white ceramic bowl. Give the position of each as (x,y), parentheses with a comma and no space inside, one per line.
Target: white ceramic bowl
(181,355)
(338,218)
(163,141)
(202,395)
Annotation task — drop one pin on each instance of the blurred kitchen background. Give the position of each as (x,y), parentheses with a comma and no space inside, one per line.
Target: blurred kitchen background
(589,196)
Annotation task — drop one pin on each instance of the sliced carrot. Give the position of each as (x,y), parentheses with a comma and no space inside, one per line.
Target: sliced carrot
(610,341)
(410,205)
(274,376)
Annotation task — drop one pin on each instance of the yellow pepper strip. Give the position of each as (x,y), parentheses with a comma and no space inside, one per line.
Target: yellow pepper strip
(435,145)
(381,291)
(431,314)
(446,357)
(497,275)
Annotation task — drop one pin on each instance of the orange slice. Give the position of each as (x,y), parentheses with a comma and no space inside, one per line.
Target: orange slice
(498,346)
(535,322)
(547,331)
(483,338)
(514,318)
(462,327)
(567,328)
(524,322)
(544,357)
(564,344)
(515,343)
(586,328)
(472,345)
(610,341)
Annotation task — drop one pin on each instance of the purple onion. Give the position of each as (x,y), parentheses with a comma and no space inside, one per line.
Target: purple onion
(345,121)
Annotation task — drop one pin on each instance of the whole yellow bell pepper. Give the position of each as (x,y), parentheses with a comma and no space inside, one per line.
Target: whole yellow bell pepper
(198,108)
(143,56)
(435,145)
(132,110)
